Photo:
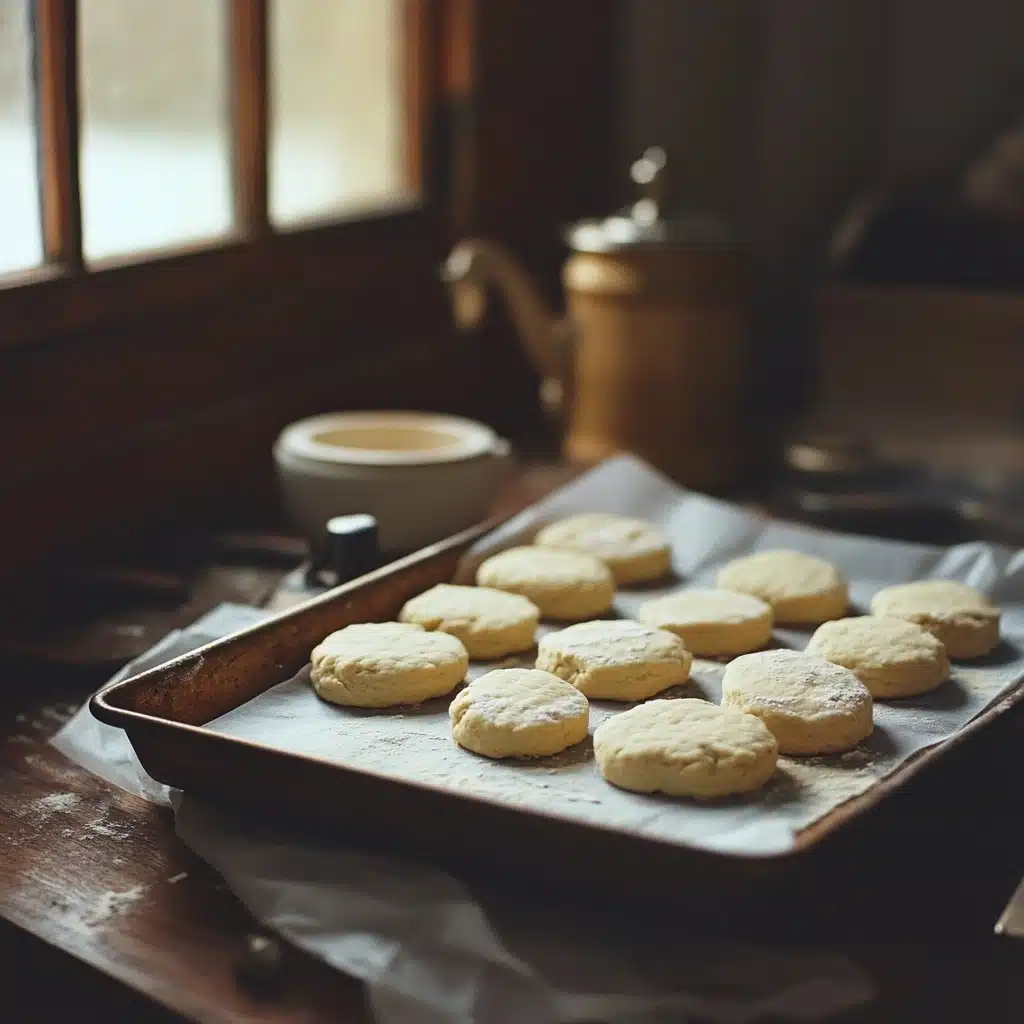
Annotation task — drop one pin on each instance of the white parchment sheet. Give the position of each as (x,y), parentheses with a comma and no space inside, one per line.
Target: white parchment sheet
(414,744)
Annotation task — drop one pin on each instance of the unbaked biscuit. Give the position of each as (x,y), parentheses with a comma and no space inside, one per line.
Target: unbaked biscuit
(635,550)
(891,657)
(490,623)
(519,712)
(382,664)
(810,705)
(802,590)
(963,618)
(615,659)
(685,748)
(712,623)
(564,585)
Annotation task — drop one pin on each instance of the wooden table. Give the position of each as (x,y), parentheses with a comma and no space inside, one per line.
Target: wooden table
(104,912)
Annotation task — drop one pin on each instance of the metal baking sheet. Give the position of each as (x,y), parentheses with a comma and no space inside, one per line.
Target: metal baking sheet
(246,699)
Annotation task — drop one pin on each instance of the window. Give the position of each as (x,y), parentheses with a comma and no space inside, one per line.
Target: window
(148,107)
(217,216)
(155,160)
(21,243)
(330,149)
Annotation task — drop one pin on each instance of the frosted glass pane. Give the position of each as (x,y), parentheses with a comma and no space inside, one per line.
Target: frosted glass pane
(21,243)
(336,102)
(155,159)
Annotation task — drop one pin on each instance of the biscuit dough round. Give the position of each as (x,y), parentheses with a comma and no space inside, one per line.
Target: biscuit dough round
(615,659)
(383,664)
(564,585)
(963,618)
(712,623)
(810,705)
(490,623)
(519,712)
(635,550)
(685,748)
(802,590)
(891,657)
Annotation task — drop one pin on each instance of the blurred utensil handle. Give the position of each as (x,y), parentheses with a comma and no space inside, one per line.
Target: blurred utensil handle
(1012,920)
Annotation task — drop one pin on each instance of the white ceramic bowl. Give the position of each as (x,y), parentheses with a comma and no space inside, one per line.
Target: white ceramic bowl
(423,476)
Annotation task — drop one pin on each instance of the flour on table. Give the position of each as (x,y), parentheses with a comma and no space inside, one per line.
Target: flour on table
(57,803)
(112,904)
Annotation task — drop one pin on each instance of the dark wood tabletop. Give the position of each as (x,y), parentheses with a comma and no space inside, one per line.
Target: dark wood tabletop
(104,912)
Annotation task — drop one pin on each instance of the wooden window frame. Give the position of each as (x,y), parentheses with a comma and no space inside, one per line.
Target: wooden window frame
(150,389)
(65,296)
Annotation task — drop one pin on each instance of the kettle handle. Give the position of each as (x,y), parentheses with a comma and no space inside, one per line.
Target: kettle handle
(472,268)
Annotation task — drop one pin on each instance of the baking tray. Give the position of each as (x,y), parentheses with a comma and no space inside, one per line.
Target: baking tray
(163,712)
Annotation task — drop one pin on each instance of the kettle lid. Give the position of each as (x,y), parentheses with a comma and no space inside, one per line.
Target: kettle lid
(648,222)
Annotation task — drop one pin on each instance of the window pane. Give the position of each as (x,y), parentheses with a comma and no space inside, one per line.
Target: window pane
(21,244)
(337,117)
(155,145)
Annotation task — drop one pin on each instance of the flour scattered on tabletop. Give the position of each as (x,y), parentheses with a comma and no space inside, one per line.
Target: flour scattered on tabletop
(111,904)
(56,803)
(107,830)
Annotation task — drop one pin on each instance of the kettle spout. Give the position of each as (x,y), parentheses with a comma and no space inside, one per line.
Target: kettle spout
(473,266)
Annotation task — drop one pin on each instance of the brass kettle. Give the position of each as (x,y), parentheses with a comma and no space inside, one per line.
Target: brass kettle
(649,356)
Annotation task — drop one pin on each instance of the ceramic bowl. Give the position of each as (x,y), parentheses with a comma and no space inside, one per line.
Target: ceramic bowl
(423,476)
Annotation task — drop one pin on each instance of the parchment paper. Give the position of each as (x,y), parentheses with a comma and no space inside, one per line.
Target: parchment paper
(414,744)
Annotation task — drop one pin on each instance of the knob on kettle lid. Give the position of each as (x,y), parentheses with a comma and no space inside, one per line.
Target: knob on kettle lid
(651,220)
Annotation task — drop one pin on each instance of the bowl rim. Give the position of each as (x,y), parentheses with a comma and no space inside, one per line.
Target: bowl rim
(472,439)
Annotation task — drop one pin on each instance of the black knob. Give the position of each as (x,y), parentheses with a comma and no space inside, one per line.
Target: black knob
(349,550)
